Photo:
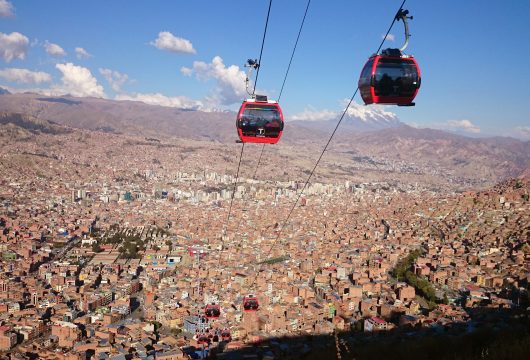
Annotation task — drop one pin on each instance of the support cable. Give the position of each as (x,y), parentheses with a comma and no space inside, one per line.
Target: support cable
(232,197)
(294,49)
(283,83)
(243,145)
(323,151)
(262,45)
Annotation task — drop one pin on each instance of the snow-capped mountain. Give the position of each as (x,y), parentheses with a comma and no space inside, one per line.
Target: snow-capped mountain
(358,117)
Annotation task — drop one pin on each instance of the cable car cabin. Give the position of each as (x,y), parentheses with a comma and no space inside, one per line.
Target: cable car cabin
(225,335)
(250,303)
(260,121)
(390,78)
(212,311)
(202,339)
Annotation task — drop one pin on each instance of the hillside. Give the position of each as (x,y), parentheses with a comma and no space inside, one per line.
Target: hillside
(382,149)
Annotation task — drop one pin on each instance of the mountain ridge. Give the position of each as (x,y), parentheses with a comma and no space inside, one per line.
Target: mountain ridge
(485,160)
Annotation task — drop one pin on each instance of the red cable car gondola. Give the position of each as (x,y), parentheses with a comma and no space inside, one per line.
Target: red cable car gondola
(202,339)
(250,303)
(225,335)
(212,311)
(391,77)
(260,121)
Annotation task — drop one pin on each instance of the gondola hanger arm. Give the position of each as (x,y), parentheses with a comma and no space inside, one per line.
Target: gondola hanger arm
(402,15)
(251,65)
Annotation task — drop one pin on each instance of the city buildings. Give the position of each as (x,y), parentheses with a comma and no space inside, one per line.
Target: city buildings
(110,260)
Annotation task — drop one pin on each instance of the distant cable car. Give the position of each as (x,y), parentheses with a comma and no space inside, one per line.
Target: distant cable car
(260,120)
(212,311)
(196,250)
(250,303)
(203,339)
(225,335)
(391,77)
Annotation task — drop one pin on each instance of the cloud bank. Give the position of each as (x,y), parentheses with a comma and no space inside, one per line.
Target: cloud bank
(522,132)
(180,102)
(463,125)
(24,76)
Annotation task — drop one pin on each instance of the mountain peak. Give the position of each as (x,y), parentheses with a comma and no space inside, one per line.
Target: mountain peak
(358,117)
(373,115)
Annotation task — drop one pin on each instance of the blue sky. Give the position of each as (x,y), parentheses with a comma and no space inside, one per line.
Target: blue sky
(473,54)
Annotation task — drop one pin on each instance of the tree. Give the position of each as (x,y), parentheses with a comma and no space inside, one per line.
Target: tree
(446,299)
(169,244)
(422,286)
(175,331)
(96,248)
(157,325)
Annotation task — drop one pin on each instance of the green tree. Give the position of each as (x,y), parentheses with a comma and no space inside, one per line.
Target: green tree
(445,300)
(402,271)
(96,248)
(157,325)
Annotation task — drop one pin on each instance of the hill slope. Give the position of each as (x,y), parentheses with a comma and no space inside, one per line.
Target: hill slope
(384,145)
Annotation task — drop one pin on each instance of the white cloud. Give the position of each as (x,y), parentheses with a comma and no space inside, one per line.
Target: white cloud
(522,132)
(78,81)
(82,53)
(115,78)
(463,125)
(6,9)
(389,37)
(186,71)
(54,49)
(415,125)
(180,102)
(311,114)
(230,81)
(168,41)
(13,46)
(24,76)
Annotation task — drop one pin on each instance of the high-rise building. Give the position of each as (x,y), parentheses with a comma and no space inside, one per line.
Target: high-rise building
(195,323)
